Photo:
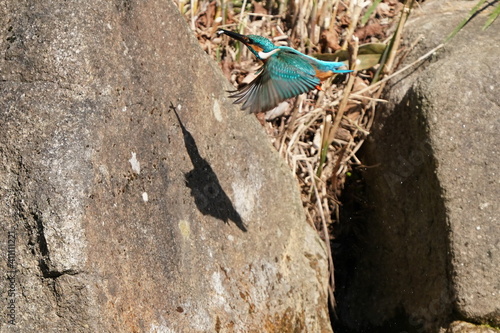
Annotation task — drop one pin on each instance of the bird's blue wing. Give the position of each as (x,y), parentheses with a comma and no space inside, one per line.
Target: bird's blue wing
(284,75)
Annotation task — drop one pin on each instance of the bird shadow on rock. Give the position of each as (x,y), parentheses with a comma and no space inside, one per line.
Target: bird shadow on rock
(209,197)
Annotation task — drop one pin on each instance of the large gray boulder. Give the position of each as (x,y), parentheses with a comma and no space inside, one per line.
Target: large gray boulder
(134,196)
(431,250)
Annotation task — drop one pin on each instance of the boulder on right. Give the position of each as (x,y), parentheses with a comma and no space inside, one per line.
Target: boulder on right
(431,244)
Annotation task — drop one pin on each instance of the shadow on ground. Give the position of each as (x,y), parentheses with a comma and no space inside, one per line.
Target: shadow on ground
(209,197)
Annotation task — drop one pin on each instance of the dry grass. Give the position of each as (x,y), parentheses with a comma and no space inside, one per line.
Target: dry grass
(319,134)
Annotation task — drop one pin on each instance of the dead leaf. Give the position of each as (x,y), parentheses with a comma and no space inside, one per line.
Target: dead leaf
(345,21)
(370,30)
(343,134)
(206,18)
(210,12)
(283,109)
(258,8)
(329,39)
(359,84)
(354,112)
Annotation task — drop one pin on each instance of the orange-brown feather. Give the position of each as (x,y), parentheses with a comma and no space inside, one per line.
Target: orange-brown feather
(256,48)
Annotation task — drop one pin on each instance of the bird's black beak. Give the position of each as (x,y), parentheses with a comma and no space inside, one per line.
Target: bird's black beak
(242,38)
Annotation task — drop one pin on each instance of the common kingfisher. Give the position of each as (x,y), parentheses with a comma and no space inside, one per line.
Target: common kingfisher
(286,73)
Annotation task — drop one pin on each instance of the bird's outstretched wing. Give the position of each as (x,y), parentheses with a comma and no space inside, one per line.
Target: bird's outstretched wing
(283,76)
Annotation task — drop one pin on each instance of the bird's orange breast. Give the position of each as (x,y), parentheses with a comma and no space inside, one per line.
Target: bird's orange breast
(323,75)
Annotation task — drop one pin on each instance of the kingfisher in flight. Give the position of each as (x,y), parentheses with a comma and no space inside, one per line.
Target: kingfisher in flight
(286,73)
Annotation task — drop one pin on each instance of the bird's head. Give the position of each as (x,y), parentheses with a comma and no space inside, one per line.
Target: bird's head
(260,46)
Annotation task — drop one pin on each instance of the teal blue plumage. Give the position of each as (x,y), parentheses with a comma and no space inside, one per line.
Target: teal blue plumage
(283,76)
(286,73)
